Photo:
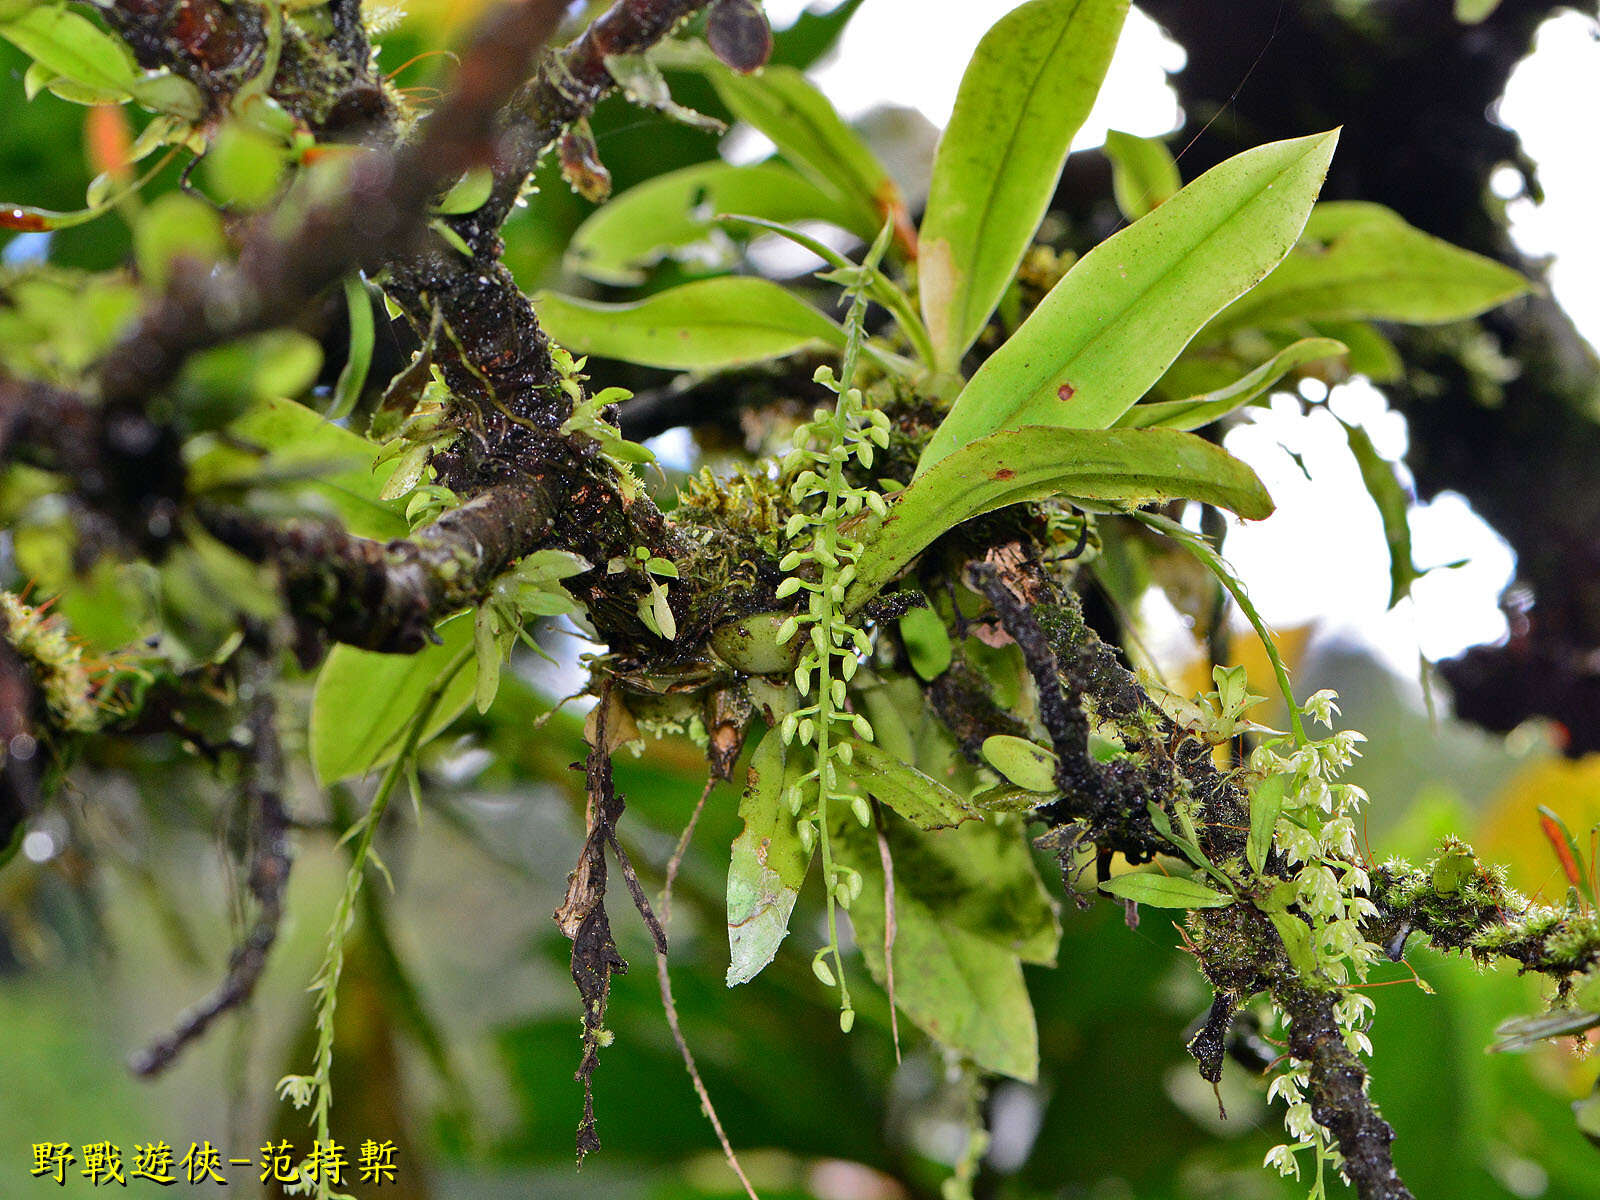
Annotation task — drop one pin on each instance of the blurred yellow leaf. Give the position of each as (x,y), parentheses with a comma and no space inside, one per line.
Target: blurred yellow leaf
(1511,832)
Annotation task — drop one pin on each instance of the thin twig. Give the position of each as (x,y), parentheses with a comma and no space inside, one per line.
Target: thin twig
(671,1005)
(681,849)
(890,925)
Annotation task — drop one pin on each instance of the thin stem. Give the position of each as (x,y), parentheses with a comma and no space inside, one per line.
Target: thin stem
(880,287)
(333,963)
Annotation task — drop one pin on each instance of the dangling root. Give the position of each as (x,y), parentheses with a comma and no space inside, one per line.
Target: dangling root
(671,1006)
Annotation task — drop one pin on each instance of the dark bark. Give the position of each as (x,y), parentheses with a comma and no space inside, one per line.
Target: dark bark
(1338,1093)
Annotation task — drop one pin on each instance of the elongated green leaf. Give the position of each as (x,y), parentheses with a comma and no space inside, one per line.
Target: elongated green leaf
(1030,84)
(1394,506)
(1125,310)
(1523,1033)
(781,103)
(1266,802)
(1165,891)
(353,377)
(1361,261)
(979,876)
(74,47)
(767,867)
(1202,410)
(364,701)
(920,799)
(1296,937)
(1143,173)
(673,215)
(812,35)
(1124,465)
(699,327)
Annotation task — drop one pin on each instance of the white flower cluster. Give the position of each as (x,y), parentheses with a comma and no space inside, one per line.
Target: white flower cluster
(1316,831)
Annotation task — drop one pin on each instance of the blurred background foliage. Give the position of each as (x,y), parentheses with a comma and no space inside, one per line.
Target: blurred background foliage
(458,1026)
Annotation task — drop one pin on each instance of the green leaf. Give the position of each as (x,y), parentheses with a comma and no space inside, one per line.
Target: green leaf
(364,701)
(1022,762)
(923,801)
(1165,891)
(1451,869)
(1029,86)
(969,908)
(812,35)
(175,226)
(1123,465)
(644,84)
(334,464)
(964,992)
(673,215)
(74,47)
(1196,411)
(1523,1033)
(768,864)
(1586,1114)
(171,94)
(1123,313)
(1586,990)
(700,326)
(1471,12)
(243,166)
(979,876)
(353,377)
(927,642)
(1296,937)
(1383,485)
(1266,802)
(468,194)
(1370,353)
(781,103)
(219,384)
(1361,261)
(490,656)
(1144,174)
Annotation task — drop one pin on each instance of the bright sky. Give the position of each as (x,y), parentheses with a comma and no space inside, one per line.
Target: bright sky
(1321,557)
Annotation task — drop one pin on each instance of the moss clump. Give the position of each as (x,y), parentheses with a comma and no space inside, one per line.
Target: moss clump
(1461,904)
(56,663)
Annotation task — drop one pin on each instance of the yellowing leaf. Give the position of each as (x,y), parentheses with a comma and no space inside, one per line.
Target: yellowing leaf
(768,864)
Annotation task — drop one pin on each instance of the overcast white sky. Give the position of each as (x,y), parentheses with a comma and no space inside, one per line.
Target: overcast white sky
(1322,556)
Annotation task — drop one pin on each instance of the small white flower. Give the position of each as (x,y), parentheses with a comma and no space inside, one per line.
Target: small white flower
(1283,1160)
